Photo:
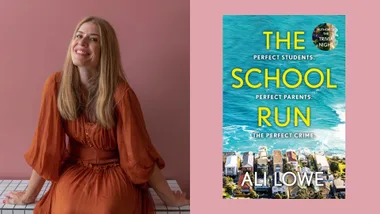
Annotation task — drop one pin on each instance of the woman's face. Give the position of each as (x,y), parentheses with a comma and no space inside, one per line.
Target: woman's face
(85,47)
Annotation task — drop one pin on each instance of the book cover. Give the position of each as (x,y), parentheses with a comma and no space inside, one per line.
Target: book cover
(284,106)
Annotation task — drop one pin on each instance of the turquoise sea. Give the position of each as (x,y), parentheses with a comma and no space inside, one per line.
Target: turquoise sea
(242,39)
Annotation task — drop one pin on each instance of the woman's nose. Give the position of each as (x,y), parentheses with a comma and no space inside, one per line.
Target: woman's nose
(83,41)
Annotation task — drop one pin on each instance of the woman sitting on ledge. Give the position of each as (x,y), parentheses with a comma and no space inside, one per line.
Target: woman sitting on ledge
(110,161)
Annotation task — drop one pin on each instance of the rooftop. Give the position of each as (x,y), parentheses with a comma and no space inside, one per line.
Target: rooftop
(248,160)
(339,184)
(231,161)
(292,156)
(321,159)
(277,157)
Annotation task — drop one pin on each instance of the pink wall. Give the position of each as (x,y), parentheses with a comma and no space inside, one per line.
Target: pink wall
(154,38)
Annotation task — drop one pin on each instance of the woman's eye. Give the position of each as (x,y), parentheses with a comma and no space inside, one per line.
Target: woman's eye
(94,39)
(78,36)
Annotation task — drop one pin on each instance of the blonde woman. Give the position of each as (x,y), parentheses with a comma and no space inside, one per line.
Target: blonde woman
(109,162)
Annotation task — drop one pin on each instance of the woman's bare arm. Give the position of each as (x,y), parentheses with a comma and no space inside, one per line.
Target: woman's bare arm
(158,182)
(35,185)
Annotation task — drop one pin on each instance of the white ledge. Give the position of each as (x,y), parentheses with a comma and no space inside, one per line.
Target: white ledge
(20,185)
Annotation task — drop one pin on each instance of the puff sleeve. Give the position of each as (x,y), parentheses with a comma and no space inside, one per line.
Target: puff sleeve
(47,149)
(137,154)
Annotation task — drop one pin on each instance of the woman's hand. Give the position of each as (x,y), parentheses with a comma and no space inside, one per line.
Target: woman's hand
(179,200)
(168,196)
(17,197)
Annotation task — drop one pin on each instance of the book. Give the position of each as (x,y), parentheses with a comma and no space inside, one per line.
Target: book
(284,98)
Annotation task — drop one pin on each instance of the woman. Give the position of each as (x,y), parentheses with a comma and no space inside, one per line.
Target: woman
(109,162)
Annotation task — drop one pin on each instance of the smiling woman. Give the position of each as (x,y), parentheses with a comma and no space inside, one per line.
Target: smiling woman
(86,47)
(110,160)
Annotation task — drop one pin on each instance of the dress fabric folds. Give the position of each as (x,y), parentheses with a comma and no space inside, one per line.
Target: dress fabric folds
(97,170)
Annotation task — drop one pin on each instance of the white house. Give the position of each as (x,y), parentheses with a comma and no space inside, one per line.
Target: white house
(263,152)
(322,163)
(231,166)
(248,162)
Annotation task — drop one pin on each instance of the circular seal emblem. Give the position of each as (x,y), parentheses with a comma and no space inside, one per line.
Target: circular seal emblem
(324,36)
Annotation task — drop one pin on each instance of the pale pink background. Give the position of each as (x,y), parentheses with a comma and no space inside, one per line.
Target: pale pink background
(154,38)
(362,110)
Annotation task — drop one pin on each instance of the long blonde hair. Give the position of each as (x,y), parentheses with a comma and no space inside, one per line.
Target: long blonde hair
(102,84)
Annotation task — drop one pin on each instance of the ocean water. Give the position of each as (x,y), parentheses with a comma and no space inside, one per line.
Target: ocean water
(242,39)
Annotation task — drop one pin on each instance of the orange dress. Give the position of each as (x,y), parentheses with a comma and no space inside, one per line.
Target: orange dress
(98,170)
